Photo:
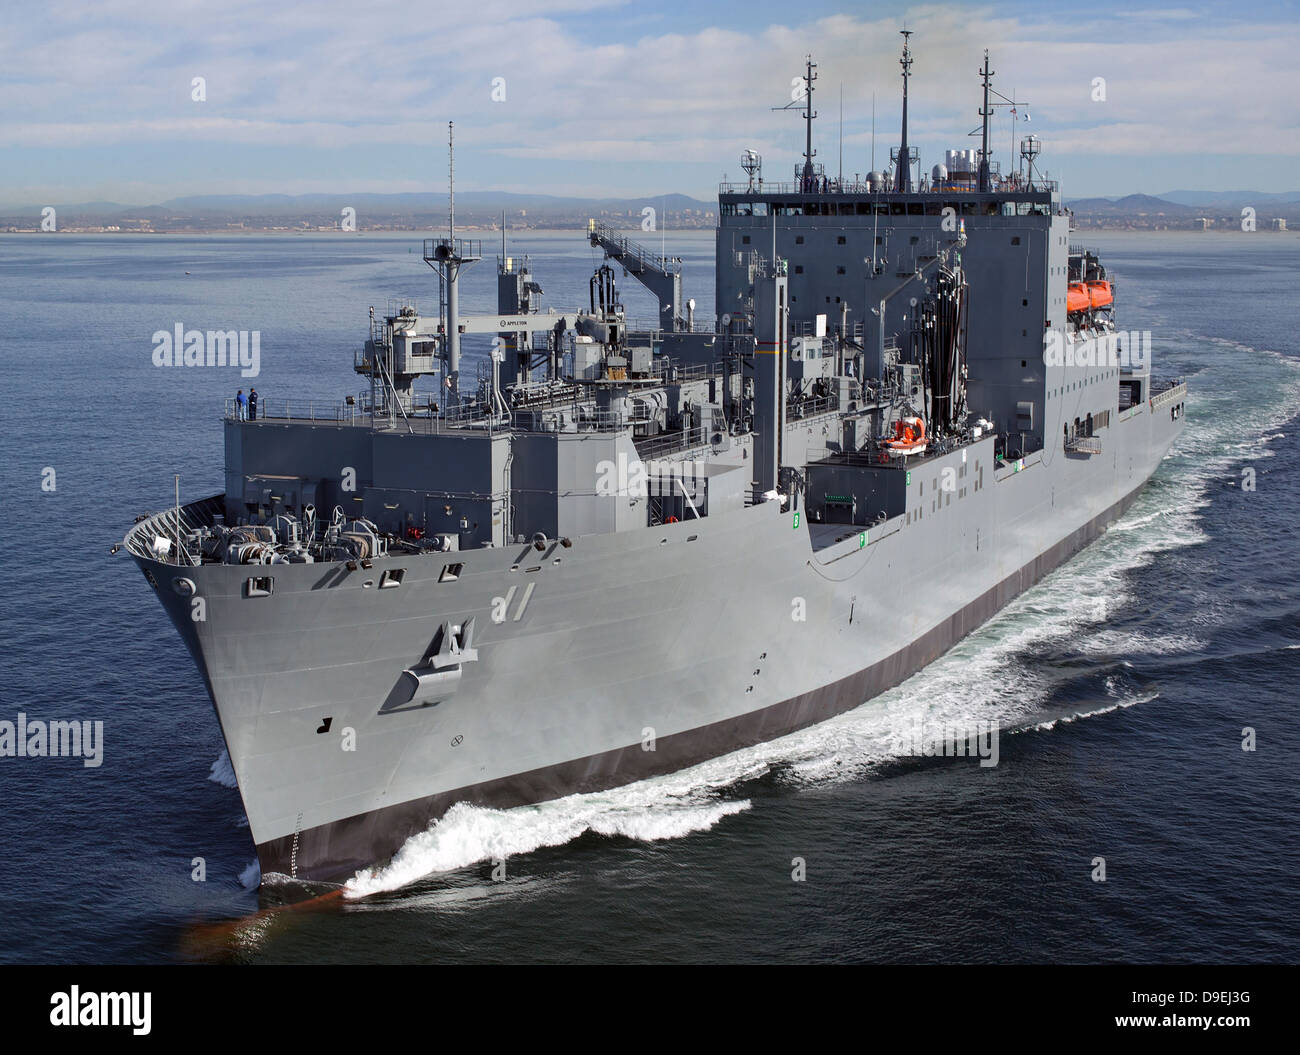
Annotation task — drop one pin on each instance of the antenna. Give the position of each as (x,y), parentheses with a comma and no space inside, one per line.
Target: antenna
(903,169)
(985,112)
(808,182)
(447,256)
(809,153)
(841,177)
(873,131)
(984,129)
(1013,121)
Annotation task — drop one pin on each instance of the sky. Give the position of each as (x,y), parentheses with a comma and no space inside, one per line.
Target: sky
(604,98)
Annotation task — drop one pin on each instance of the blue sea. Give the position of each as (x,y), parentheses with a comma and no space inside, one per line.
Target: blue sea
(1125,684)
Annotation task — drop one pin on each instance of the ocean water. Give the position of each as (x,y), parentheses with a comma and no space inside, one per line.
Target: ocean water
(1122,683)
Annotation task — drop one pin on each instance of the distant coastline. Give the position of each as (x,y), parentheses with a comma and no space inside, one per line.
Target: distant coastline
(482,214)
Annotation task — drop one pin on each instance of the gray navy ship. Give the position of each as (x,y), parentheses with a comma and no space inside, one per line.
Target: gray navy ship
(621,549)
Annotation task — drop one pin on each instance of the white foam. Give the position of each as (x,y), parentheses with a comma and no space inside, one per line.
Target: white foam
(462,896)
(662,808)
(1066,719)
(223,772)
(251,877)
(1135,641)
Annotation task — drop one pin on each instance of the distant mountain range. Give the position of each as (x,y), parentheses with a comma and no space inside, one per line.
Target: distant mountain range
(482,209)
(1180,203)
(1130,205)
(297,204)
(272,204)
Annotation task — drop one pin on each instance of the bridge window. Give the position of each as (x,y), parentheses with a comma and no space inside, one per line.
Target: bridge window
(798,239)
(840,240)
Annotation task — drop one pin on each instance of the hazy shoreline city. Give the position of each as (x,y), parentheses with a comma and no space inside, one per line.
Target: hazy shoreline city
(1220,211)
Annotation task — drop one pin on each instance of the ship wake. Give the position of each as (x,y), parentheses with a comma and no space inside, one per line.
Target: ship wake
(667,807)
(1057,655)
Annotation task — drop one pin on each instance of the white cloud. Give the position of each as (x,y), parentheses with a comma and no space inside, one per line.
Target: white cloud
(389,74)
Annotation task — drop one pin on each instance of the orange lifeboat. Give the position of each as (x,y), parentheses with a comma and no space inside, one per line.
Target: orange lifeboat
(1100,293)
(909,438)
(1077,298)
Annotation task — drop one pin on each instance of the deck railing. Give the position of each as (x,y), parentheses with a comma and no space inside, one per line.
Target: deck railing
(1175,390)
(329,411)
(140,539)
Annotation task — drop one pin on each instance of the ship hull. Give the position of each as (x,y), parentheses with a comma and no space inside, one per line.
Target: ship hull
(619,658)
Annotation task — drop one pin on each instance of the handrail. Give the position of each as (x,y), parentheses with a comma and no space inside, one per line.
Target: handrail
(832,188)
(339,412)
(668,442)
(1168,395)
(464,248)
(192,516)
(632,255)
